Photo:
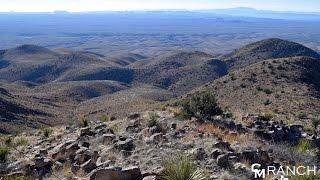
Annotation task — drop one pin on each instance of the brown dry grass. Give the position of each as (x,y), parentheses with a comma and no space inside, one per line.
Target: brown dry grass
(228,136)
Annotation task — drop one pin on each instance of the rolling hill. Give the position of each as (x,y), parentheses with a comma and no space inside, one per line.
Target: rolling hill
(180,72)
(266,49)
(286,88)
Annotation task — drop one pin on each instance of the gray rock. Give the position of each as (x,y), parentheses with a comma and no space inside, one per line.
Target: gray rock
(215,153)
(108,139)
(126,145)
(86,132)
(149,178)
(134,116)
(199,154)
(222,145)
(223,160)
(112,173)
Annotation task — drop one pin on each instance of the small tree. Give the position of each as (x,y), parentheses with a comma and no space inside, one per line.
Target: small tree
(201,105)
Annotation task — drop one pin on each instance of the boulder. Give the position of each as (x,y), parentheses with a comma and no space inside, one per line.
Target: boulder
(223,160)
(108,139)
(126,145)
(113,173)
(222,145)
(86,132)
(133,116)
(215,153)
(199,154)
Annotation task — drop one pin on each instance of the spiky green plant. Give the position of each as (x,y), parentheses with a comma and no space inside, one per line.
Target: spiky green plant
(46,132)
(181,168)
(84,122)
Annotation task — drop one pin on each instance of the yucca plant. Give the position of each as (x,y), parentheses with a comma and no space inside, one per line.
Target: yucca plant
(180,168)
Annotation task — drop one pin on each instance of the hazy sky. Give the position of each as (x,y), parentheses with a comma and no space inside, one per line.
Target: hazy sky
(101,5)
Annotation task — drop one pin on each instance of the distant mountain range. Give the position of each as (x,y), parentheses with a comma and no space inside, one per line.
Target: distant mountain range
(239,11)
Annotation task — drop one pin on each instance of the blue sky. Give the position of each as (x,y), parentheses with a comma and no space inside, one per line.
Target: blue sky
(101,5)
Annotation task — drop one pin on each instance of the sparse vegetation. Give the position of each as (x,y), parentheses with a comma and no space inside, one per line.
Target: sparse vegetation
(267,91)
(304,146)
(8,141)
(4,152)
(315,123)
(84,122)
(268,114)
(47,132)
(105,118)
(267,102)
(302,115)
(21,141)
(115,128)
(152,120)
(201,105)
(180,168)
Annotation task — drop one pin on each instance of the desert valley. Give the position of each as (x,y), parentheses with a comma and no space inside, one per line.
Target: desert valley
(183,106)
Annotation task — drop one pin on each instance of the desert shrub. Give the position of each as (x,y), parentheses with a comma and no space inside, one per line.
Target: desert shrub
(163,107)
(4,152)
(302,115)
(104,118)
(201,105)
(304,145)
(84,122)
(259,88)
(289,153)
(180,114)
(152,120)
(267,102)
(21,141)
(268,115)
(315,123)
(267,91)
(180,168)
(46,132)
(115,128)
(8,141)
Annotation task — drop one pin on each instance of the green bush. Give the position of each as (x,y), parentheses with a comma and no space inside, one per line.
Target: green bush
(180,168)
(201,105)
(84,122)
(47,132)
(4,152)
(304,145)
(104,118)
(153,120)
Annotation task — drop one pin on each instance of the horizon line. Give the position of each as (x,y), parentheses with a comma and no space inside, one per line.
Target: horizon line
(163,10)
